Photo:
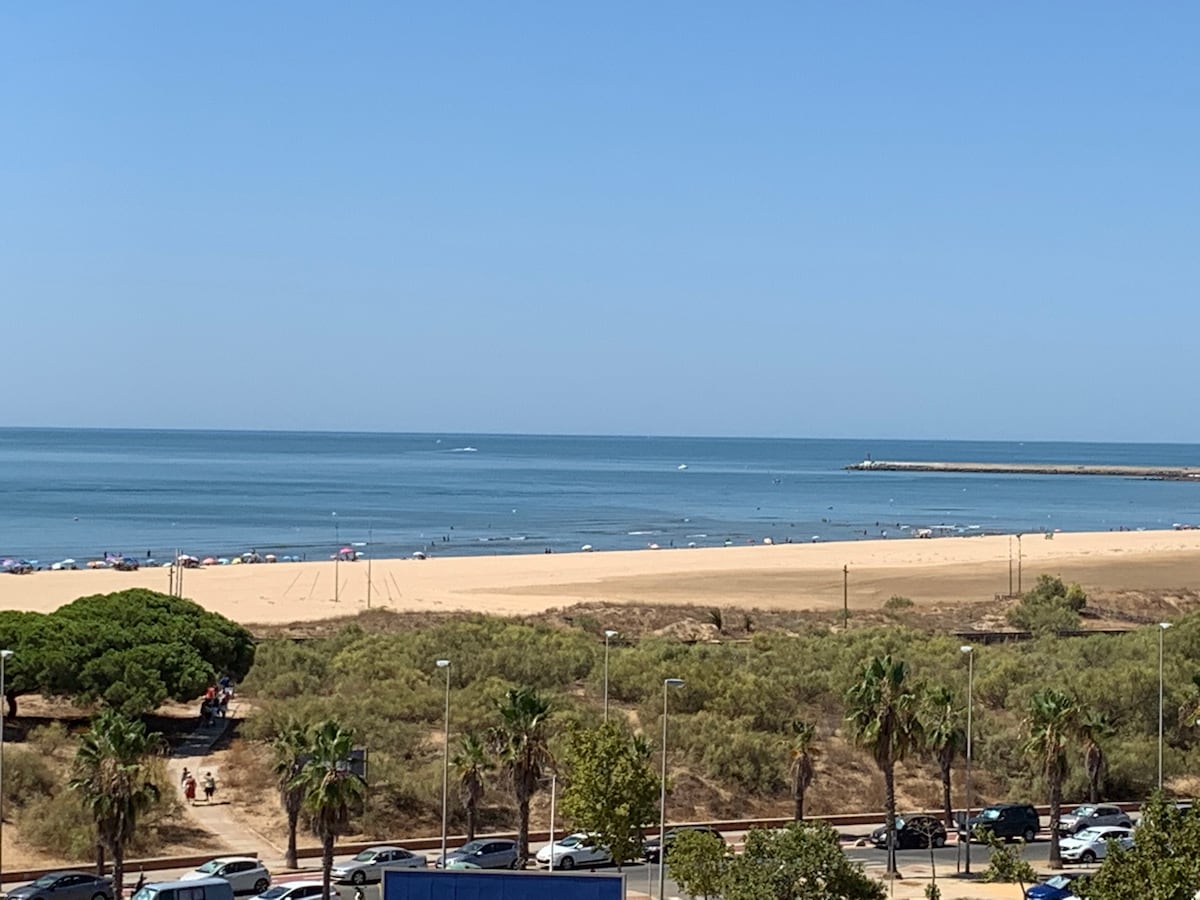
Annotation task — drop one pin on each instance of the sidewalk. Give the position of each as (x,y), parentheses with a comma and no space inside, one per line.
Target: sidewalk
(195,753)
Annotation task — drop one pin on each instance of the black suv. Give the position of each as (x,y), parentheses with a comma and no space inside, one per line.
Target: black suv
(650,850)
(1007,820)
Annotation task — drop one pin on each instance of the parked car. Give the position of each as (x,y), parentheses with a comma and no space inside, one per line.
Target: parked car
(245,874)
(66,885)
(650,849)
(1091,844)
(1091,816)
(369,865)
(195,889)
(574,850)
(1060,887)
(1007,821)
(298,890)
(913,833)
(489,853)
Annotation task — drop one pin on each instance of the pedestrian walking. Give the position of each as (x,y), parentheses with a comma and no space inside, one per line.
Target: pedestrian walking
(189,790)
(210,786)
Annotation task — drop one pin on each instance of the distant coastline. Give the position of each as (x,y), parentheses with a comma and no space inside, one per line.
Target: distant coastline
(1153,473)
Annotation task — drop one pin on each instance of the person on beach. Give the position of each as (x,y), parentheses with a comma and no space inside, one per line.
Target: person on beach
(210,786)
(189,790)
(184,777)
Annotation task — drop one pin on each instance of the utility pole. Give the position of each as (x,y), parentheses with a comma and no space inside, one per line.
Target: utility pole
(1010,593)
(370,534)
(845,597)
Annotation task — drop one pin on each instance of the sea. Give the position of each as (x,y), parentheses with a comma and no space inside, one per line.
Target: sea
(83,493)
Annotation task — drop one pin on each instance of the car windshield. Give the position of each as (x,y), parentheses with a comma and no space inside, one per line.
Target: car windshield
(146,893)
(990,814)
(1084,811)
(209,867)
(899,822)
(1090,834)
(572,840)
(45,881)
(365,856)
(473,847)
(273,893)
(1059,881)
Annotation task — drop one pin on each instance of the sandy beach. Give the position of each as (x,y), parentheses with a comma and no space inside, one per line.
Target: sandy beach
(790,576)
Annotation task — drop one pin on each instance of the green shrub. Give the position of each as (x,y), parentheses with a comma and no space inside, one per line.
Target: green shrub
(27,776)
(896,602)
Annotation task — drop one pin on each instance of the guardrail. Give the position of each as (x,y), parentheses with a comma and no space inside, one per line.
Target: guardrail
(158,864)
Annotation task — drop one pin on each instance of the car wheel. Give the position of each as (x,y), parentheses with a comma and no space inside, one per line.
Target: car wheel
(1087,857)
(99,896)
(515,864)
(358,877)
(261,885)
(566,862)
(939,841)
(1028,835)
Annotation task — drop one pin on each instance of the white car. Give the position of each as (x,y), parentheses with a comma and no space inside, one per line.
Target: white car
(369,865)
(1091,844)
(572,851)
(246,874)
(298,890)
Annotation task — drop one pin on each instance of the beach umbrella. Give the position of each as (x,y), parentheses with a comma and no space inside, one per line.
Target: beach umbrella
(222,561)
(236,561)
(270,557)
(418,555)
(208,561)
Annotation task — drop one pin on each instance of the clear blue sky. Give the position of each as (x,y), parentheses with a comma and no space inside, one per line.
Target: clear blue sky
(797,219)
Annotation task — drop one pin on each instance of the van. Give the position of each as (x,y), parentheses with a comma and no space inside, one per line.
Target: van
(200,889)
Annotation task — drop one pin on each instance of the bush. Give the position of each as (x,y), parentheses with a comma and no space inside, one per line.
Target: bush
(896,602)
(1050,606)
(27,776)
(1007,864)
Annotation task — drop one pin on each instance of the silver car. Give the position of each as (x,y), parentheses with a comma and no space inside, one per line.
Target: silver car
(489,853)
(1091,816)
(65,886)
(245,874)
(369,865)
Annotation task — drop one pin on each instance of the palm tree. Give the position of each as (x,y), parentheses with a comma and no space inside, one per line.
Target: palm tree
(290,749)
(945,738)
(472,765)
(522,748)
(111,774)
(883,713)
(1094,726)
(800,767)
(330,789)
(1052,721)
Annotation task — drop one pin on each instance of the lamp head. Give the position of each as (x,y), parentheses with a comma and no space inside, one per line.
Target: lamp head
(673,682)
(609,633)
(1164,625)
(5,654)
(966,648)
(443,663)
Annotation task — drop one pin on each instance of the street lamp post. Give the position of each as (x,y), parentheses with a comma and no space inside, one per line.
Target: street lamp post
(445,664)
(553,797)
(4,654)
(609,634)
(1162,630)
(662,799)
(969,651)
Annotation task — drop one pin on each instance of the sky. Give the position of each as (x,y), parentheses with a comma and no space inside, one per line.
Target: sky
(934,220)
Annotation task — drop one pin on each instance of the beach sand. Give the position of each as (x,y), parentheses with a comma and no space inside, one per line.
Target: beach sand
(782,576)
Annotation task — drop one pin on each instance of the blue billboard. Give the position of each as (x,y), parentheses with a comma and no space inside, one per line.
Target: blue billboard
(436,884)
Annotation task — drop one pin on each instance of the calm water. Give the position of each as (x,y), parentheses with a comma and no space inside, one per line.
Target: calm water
(79,493)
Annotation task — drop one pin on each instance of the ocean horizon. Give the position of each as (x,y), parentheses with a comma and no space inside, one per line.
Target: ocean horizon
(81,493)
